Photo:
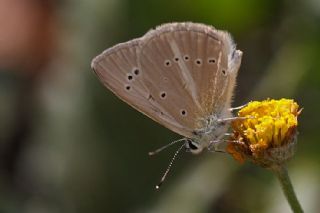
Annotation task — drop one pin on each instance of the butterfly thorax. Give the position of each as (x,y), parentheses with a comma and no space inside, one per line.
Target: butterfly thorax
(213,131)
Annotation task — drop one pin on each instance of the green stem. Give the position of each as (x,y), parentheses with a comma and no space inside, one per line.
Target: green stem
(287,188)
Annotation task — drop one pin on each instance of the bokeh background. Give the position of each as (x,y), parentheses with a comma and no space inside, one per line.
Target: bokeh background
(68,145)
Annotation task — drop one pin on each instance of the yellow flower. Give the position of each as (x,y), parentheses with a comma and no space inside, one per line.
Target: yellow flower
(267,134)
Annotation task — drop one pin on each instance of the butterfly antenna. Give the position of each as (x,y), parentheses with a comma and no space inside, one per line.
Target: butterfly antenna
(169,167)
(166,146)
(213,148)
(213,145)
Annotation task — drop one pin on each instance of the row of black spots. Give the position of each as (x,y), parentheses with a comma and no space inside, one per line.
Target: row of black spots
(130,76)
(198,61)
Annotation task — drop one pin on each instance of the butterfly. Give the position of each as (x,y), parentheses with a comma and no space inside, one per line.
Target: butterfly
(181,75)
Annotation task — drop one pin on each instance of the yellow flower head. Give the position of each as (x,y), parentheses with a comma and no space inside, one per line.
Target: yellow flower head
(267,133)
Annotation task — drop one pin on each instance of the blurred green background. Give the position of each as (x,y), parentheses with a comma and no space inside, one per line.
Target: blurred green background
(69,145)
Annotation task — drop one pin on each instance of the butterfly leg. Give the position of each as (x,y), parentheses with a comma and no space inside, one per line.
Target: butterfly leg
(238,142)
(214,146)
(232,119)
(228,134)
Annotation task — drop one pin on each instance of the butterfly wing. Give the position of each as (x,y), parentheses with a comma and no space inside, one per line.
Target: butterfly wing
(178,74)
(191,63)
(118,70)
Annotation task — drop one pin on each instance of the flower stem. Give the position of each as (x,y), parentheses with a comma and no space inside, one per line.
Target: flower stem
(287,188)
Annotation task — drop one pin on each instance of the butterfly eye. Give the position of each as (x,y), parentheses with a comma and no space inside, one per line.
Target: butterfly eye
(193,145)
(198,61)
(211,61)
(183,112)
(167,63)
(176,59)
(186,58)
